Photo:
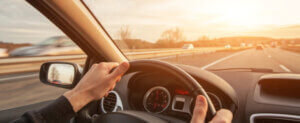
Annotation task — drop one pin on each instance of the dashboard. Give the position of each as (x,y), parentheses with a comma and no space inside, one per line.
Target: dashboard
(166,95)
(257,97)
(265,97)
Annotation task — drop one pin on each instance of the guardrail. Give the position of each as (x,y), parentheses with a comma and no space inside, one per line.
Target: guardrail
(20,60)
(133,55)
(26,64)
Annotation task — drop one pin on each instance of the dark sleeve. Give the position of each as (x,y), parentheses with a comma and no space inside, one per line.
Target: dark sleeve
(59,111)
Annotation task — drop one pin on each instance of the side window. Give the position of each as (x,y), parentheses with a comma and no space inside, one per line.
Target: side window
(28,39)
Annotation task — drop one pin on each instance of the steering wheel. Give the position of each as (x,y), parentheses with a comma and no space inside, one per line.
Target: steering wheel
(137,116)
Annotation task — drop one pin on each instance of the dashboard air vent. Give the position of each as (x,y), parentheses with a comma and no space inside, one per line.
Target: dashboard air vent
(109,102)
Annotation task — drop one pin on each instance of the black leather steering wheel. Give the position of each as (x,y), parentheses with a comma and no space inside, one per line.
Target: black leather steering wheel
(154,65)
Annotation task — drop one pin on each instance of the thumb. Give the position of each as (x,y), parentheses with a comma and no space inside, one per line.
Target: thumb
(200,110)
(120,70)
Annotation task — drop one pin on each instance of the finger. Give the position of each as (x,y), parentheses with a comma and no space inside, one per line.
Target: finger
(200,110)
(93,67)
(110,65)
(106,94)
(222,116)
(112,87)
(120,70)
(118,79)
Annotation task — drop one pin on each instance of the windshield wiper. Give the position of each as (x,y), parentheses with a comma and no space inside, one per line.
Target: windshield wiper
(262,70)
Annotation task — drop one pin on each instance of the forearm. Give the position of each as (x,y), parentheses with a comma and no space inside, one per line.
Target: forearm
(78,99)
(59,110)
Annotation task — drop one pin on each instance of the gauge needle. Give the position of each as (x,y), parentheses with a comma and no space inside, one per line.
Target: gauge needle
(156,96)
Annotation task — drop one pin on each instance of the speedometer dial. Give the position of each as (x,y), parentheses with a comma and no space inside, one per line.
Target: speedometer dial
(156,99)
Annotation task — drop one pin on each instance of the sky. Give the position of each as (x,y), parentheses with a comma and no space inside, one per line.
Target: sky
(148,19)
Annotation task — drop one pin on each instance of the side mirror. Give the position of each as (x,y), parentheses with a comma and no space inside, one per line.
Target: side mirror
(60,74)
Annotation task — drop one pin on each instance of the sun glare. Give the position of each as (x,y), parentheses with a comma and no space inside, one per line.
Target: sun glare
(238,15)
(234,13)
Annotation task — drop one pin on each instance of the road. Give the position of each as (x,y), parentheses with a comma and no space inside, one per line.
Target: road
(25,88)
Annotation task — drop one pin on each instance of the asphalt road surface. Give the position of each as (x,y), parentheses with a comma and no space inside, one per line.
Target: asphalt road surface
(23,89)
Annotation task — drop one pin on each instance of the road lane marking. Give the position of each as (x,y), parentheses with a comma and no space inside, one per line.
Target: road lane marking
(166,57)
(222,59)
(284,68)
(17,77)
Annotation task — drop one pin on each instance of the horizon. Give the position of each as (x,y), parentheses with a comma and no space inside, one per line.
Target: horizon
(282,39)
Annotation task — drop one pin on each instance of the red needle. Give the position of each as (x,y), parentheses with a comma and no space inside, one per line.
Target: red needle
(156,96)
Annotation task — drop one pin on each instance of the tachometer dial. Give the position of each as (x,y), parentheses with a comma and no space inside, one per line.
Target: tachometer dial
(156,99)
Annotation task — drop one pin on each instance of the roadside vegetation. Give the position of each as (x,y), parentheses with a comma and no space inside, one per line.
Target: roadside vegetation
(175,38)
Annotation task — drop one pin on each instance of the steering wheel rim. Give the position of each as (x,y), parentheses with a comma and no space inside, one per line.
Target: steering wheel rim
(187,79)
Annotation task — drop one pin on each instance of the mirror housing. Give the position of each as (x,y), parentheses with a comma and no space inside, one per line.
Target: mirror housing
(60,74)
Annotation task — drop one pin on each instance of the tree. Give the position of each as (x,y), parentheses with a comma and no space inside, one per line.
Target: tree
(125,33)
(203,38)
(170,38)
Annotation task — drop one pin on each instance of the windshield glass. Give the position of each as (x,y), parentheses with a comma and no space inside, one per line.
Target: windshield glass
(206,33)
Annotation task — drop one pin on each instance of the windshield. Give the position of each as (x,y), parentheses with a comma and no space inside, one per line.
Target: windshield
(206,33)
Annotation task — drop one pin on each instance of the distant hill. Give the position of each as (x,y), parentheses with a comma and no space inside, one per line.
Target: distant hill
(246,38)
(236,41)
(134,44)
(233,41)
(258,40)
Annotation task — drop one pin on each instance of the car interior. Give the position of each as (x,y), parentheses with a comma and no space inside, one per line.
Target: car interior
(252,95)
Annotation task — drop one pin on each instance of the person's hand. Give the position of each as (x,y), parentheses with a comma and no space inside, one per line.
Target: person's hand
(222,116)
(96,83)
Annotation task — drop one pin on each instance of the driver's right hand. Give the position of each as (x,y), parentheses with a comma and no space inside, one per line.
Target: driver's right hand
(200,109)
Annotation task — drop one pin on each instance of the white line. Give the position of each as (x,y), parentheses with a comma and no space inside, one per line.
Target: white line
(222,59)
(166,57)
(284,68)
(18,77)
